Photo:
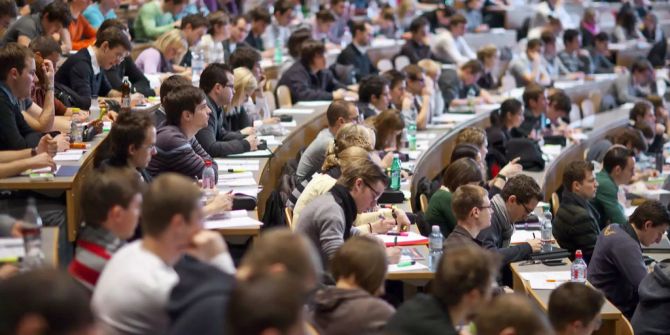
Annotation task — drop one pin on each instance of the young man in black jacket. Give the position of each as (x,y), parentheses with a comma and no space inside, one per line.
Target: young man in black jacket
(356,52)
(417,47)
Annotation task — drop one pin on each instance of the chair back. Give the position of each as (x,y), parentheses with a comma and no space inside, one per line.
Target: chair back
(400,62)
(284,97)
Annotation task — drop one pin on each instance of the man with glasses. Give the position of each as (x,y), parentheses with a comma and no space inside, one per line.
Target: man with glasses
(576,224)
(515,202)
(472,209)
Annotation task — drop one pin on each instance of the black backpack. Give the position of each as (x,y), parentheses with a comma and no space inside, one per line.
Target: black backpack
(528,150)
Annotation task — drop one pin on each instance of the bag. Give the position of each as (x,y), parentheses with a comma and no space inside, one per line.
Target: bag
(65,95)
(529,152)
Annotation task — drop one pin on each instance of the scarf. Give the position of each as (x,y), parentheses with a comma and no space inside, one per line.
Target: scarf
(344,200)
(507,226)
(591,27)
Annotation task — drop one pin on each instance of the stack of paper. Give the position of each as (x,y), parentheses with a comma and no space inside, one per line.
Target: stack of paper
(316,103)
(70,155)
(237,165)
(237,179)
(415,267)
(452,118)
(289,124)
(409,238)
(547,280)
(271,140)
(293,111)
(232,219)
(521,236)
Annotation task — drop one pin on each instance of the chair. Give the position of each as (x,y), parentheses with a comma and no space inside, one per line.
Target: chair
(587,108)
(507,83)
(384,65)
(284,97)
(400,62)
(596,98)
(555,203)
(423,200)
(288,212)
(50,245)
(270,99)
(575,113)
(270,85)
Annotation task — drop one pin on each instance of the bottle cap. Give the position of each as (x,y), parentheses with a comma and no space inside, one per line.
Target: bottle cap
(578,254)
(436,229)
(208,163)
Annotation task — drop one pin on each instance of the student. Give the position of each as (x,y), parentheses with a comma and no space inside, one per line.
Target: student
(600,54)
(110,211)
(417,48)
(397,90)
(39,299)
(82,34)
(574,309)
(462,285)
(433,71)
(388,132)
(528,68)
(503,120)
(342,13)
(328,220)
(558,109)
(460,172)
(450,46)
(260,19)
(49,21)
(635,85)
(354,54)
(535,103)
(308,79)
(617,266)
(8,12)
(573,57)
(156,18)
(553,8)
(618,169)
(13,162)
(650,317)
(338,114)
(626,27)
(100,11)
(420,94)
(278,31)
(352,306)
(588,27)
(488,57)
(629,137)
(193,27)
(472,210)
(163,55)
(245,85)
(323,22)
(373,96)
(459,88)
(168,85)
(654,35)
(255,106)
(83,72)
(642,112)
(512,314)
(474,17)
(551,62)
(517,200)
(576,224)
(212,42)
(238,33)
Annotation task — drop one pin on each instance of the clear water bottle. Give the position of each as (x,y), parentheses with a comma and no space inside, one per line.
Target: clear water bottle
(546,235)
(31,229)
(436,244)
(208,176)
(395,172)
(346,38)
(411,128)
(373,9)
(76,127)
(472,94)
(279,53)
(197,65)
(578,268)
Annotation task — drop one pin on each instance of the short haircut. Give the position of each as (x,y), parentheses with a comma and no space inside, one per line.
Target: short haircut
(472,135)
(569,35)
(524,187)
(325,15)
(464,150)
(460,172)
(418,24)
(616,156)
(171,83)
(534,43)
(357,26)
(513,311)
(394,77)
(237,19)
(185,98)
(245,57)
(650,210)
(129,129)
(639,110)
(641,65)
(169,195)
(572,302)
(465,198)
(548,37)
(219,18)
(456,20)
(372,85)
(114,38)
(561,102)
(195,21)
(106,189)
(413,72)
(656,101)
(271,302)
(576,172)
(296,40)
(337,109)
(486,52)
(8,8)
(118,24)
(630,136)
(213,74)
(282,6)
(602,37)
(473,66)
(58,11)
(462,270)
(45,46)
(260,13)
(13,56)
(364,258)
(370,172)
(646,129)
(430,67)
(532,92)
(51,295)
(386,124)
(310,49)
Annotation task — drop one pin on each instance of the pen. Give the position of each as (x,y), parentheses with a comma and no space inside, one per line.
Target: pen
(533,235)
(236,170)
(406,263)
(395,241)
(392,233)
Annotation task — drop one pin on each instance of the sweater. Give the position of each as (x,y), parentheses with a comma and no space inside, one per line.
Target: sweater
(96,17)
(15,133)
(77,73)
(215,139)
(422,315)
(576,225)
(339,311)
(82,33)
(95,246)
(415,51)
(152,22)
(176,153)
(307,86)
(460,237)
(29,26)
(497,237)
(651,315)
(606,201)
(315,154)
(351,55)
(439,211)
(151,61)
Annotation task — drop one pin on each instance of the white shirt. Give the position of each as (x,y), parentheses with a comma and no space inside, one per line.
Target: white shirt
(452,49)
(213,50)
(94,60)
(543,11)
(275,31)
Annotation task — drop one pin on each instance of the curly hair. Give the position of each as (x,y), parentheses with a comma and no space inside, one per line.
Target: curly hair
(350,135)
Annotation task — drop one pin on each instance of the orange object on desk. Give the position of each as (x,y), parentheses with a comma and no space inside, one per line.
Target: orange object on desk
(78,145)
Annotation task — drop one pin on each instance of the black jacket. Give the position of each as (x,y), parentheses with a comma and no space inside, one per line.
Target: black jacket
(128,68)
(651,316)
(576,225)
(255,42)
(415,51)
(215,139)
(306,86)
(497,237)
(421,315)
(361,62)
(15,133)
(77,74)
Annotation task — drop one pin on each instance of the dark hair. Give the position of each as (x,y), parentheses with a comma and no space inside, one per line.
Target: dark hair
(602,37)
(325,15)
(170,84)
(560,101)
(462,270)
(364,258)
(616,156)
(509,106)
(129,129)
(512,311)
(418,24)
(213,74)
(569,35)
(385,125)
(656,101)
(296,40)
(114,38)
(45,46)
(57,11)
(548,37)
(394,77)
(195,21)
(464,150)
(627,19)
(310,49)
(572,302)
(262,14)
(282,6)
(639,110)
(357,26)
(372,85)
(237,19)
(8,8)
(245,57)
(168,195)
(575,172)
(532,92)
(630,136)
(534,43)
(185,98)
(460,172)
(640,65)
(51,295)
(337,109)
(646,129)
(473,66)
(457,19)
(465,198)
(13,56)
(523,187)
(219,18)
(650,210)
(413,72)
(118,24)
(105,189)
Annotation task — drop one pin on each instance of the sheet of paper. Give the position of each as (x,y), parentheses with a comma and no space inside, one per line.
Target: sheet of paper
(240,213)
(251,191)
(521,236)
(439,126)
(414,155)
(11,248)
(412,238)
(422,145)
(548,280)
(67,157)
(317,103)
(257,153)
(271,140)
(237,164)
(237,182)
(416,267)
(237,222)
(425,136)
(453,118)
(293,111)
(236,175)
(289,124)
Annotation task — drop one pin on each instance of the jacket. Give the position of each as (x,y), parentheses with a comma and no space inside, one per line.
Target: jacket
(651,315)
(497,237)
(606,201)
(415,51)
(15,133)
(351,55)
(216,140)
(127,68)
(576,225)
(421,315)
(77,74)
(339,311)
(176,153)
(439,211)
(625,91)
(460,237)
(307,86)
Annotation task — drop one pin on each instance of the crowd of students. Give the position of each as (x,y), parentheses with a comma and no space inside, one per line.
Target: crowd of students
(142,262)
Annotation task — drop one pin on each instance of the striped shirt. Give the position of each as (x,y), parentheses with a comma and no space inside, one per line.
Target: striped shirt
(95,247)
(176,153)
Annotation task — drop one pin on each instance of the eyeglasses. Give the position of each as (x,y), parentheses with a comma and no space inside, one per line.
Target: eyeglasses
(528,210)
(374,192)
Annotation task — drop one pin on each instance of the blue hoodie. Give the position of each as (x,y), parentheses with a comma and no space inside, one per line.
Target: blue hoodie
(651,316)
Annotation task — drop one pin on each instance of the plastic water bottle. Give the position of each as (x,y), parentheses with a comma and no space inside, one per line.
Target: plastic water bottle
(436,244)
(197,65)
(411,128)
(373,9)
(472,94)
(578,268)
(546,235)
(279,53)
(395,172)
(208,176)
(31,229)
(125,95)
(346,38)
(76,127)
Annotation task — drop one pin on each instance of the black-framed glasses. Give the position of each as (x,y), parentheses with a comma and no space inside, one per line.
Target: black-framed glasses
(376,194)
(528,210)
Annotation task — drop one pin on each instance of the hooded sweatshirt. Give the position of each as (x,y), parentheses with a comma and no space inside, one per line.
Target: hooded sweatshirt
(343,311)
(651,316)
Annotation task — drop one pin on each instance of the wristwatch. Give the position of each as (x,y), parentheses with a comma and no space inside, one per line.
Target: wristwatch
(33,152)
(502,176)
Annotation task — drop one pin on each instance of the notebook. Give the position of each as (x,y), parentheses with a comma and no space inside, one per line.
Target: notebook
(409,238)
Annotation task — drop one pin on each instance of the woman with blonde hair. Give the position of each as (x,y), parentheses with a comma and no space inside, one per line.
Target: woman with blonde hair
(433,71)
(164,54)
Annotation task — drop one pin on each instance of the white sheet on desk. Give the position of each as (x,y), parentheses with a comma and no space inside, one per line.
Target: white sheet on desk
(552,149)
(425,136)
(238,222)
(237,182)
(486,107)
(42,170)
(251,191)
(257,153)
(66,156)
(547,280)
(422,145)
(11,247)
(235,175)
(382,43)
(414,155)
(305,111)
(270,140)
(439,126)
(407,165)
(521,236)
(453,117)
(240,213)
(579,136)
(410,238)
(416,267)
(242,164)
(316,103)
(289,124)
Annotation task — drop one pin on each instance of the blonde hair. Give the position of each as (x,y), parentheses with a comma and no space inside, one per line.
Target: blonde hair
(347,157)
(431,67)
(172,38)
(350,135)
(245,81)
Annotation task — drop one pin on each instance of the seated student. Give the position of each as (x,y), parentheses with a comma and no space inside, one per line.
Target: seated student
(239,30)
(626,27)
(83,72)
(168,85)
(13,162)
(338,114)
(139,84)
(419,94)
(618,169)
(309,79)
(558,109)
(617,266)
(49,21)
(143,270)
(527,68)
(177,148)
(588,27)
(553,8)
(551,62)
(294,45)
(450,46)
(193,27)
(650,317)
(644,112)
(217,82)
(245,85)
(352,306)
(660,112)
(8,12)
(512,314)
(654,35)
(323,23)
(573,57)
(535,107)
(44,296)
(82,34)
(342,12)
(212,42)
(462,285)
(503,120)
(472,209)
(328,220)
(474,16)
(400,100)
(629,137)
(600,54)
(355,53)
(254,106)
(110,211)
(635,85)
(100,11)
(459,88)
(574,309)
(417,48)
(279,31)
(459,172)
(433,72)
(373,96)
(157,18)
(488,57)
(515,202)
(388,128)
(576,225)
(161,57)
(260,19)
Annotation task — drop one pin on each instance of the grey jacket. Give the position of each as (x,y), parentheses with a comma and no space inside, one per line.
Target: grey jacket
(339,311)
(314,156)
(497,237)
(215,139)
